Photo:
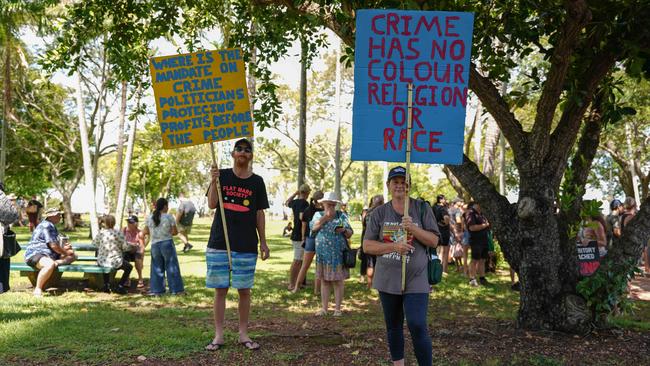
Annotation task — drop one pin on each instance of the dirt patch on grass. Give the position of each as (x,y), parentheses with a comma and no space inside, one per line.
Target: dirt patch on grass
(479,341)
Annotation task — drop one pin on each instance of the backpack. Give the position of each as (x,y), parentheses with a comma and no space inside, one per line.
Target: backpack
(8,212)
(187,218)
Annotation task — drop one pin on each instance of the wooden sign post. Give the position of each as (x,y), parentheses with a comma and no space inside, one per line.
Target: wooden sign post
(221,210)
(409,127)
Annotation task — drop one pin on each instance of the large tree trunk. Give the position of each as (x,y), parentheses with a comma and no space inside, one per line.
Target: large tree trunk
(547,268)
(531,239)
(67,212)
(66,188)
(88,169)
(490,147)
(120,147)
(337,97)
(121,198)
(6,106)
(302,148)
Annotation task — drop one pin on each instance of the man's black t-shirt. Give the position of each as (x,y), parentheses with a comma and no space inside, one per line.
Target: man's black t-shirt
(242,198)
(308,214)
(440,212)
(477,238)
(298,206)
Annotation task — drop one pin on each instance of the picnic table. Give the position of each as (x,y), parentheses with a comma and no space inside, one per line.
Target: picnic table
(92,272)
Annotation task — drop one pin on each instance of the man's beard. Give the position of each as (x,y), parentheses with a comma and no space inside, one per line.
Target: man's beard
(242,163)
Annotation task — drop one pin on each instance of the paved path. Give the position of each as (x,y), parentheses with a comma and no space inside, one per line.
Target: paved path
(640,288)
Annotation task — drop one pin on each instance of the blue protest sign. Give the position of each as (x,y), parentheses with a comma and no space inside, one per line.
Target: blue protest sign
(431,50)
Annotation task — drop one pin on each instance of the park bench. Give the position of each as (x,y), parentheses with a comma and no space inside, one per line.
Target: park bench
(92,272)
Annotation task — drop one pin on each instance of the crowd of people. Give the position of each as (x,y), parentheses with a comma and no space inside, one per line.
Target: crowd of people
(401,228)
(115,249)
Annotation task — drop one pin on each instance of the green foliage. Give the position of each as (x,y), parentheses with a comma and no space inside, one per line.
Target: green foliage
(606,289)
(42,140)
(628,111)
(567,197)
(443,187)
(164,173)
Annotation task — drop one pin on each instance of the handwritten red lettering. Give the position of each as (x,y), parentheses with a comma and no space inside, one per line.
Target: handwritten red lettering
(433,140)
(374,27)
(457,50)
(449,25)
(370,74)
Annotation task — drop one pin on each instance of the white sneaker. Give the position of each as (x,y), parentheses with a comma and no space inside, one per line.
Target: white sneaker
(473,282)
(38,292)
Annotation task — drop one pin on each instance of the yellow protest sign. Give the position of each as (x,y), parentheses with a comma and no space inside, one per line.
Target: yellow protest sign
(201,97)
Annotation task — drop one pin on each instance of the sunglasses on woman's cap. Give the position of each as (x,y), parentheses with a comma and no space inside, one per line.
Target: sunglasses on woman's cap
(243,149)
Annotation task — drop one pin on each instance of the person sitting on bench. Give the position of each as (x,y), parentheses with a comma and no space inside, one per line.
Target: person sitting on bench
(111,246)
(46,250)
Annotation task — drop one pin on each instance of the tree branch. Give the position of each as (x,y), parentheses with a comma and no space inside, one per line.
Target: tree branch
(498,108)
(566,132)
(577,16)
(616,155)
(502,214)
(583,158)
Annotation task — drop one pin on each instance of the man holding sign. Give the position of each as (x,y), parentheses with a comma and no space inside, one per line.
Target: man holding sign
(202,97)
(244,201)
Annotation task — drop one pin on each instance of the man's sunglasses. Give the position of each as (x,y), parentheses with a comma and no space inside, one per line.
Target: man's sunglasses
(243,149)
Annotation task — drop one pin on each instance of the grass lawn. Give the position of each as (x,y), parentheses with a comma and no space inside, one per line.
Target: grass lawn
(85,327)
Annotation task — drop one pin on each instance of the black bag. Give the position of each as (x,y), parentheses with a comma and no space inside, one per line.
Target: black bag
(10,245)
(8,212)
(187,218)
(349,256)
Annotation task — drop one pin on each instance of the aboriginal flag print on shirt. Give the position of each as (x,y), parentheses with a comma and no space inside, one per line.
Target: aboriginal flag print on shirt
(242,198)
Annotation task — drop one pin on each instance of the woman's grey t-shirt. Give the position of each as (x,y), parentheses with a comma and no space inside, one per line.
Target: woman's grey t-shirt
(384,226)
(163,231)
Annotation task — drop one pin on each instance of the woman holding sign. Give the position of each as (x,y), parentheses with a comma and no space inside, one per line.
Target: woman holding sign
(384,237)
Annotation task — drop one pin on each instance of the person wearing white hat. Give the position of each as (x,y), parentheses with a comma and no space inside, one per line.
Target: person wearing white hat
(332,230)
(46,251)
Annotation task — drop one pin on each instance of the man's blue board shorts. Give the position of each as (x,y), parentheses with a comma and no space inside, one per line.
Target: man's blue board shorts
(218,275)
